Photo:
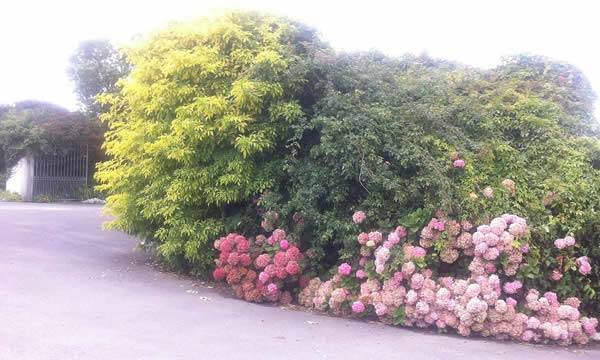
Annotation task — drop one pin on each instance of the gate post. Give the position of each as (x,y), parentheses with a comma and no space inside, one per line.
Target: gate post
(29,170)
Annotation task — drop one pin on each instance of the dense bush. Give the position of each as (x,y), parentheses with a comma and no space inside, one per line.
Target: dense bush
(401,139)
(395,277)
(222,121)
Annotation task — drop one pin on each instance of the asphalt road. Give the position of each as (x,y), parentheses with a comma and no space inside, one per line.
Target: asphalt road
(69,290)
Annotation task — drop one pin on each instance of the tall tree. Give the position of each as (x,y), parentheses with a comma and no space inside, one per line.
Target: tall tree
(95,68)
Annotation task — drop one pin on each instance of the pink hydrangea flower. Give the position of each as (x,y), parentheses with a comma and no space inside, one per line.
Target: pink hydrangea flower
(552,298)
(528,336)
(262,260)
(569,241)
(272,288)
(361,274)
(388,244)
(284,244)
(491,254)
(263,277)
(556,275)
(512,287)
(398,276)
(260,239)
(401,231)
(363,238)
(279,234)
(344,269)
(280,259)
(380,309)
(416,281)
(589,325)
(393,238)
(437,224)
(363,261)
(292,268)
(293,253)
(585,268)
(408,268)
(481,248)
(358,307)
(560,243)
(219,274)
(459,163)
(242,244)
(517,229)
(358,217)
(233,259)
(245,260)
(418,252)
(490,268)
(226,245)
(271,269)
(375,236)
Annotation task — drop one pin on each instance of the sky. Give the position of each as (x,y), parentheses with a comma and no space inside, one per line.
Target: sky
(38,37)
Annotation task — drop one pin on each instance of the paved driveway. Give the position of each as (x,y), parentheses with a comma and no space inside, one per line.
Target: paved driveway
(69,290)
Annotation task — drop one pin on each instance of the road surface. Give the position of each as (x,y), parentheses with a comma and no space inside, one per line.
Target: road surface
(69,290)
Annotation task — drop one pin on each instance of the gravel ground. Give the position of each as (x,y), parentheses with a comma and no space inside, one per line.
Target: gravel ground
(69,290)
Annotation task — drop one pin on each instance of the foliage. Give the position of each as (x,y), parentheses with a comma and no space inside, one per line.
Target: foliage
(224,120)
(95,68)
(199,128)
(384,138)
(9,196)
(38,127)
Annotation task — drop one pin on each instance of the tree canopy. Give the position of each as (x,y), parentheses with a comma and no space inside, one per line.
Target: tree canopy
(95,68)
(30,127)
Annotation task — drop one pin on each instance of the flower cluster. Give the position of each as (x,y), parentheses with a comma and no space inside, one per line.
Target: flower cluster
(565,242)
(261,270)
(359,217)
(390,279)
(481,303)
(432,232)
(459,163)
(495,239)
(455,236)
(584,265)
(549,319)
(510,186)
(488,192)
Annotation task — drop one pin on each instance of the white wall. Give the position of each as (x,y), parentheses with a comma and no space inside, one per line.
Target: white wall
(21,178)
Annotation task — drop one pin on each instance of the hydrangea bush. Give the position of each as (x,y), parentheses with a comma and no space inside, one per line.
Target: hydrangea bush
(259,269)
(402,280)
(224,121)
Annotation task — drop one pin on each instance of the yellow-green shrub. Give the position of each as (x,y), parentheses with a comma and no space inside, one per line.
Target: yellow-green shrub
(198,127)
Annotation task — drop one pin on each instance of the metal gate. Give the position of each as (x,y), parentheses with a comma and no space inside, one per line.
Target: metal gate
(60,177)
